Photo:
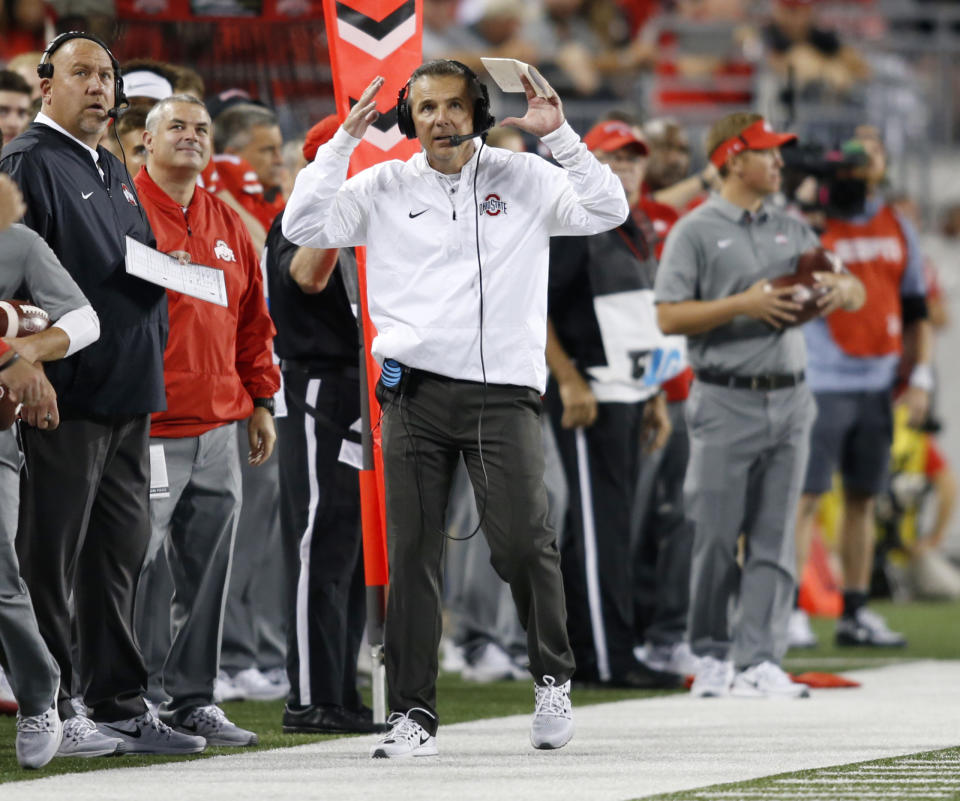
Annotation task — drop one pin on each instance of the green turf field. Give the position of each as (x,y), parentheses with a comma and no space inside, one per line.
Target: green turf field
(918,777)
(933,630)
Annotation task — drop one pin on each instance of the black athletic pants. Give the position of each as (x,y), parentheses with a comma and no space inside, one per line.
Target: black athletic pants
(426,428)
(320,530)
(601,464)
(84,529)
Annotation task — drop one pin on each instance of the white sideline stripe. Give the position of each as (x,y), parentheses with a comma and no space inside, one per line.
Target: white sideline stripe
(590,557)
(626,750)
(303,581)
(906,793)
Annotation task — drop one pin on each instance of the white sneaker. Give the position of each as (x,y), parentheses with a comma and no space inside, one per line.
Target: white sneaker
(278,678)
(254,686)
(215,727)
(491,664)
(676,658)
(713,678)
(8,702)
(767,680)
(452,659)
(866,627)
(82,738)
(38,737)
(225,690)
(147,734)
(552,725)
(799,633)
(407,738)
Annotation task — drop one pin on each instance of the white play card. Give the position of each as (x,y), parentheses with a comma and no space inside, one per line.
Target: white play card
(507,71)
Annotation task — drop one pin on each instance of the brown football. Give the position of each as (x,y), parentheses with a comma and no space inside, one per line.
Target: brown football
(806,292)
(18,318)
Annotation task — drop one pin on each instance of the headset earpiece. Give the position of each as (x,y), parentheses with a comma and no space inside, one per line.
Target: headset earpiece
(45,68)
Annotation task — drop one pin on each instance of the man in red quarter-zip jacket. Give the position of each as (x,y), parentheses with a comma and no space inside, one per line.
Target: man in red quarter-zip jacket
(218,369)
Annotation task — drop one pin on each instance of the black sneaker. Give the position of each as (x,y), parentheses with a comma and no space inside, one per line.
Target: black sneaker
(329,719)
(867,629)
(636,677)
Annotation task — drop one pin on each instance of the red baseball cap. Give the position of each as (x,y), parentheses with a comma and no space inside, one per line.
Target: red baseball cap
(757,136)
(319,134)
(612,135)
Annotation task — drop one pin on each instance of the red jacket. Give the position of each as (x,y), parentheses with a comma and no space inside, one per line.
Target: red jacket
(217,359)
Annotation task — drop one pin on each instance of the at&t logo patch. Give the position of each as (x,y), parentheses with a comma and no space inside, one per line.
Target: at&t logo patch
(493,205)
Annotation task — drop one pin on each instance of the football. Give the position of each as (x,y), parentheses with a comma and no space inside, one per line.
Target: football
(805,290)
(18,318)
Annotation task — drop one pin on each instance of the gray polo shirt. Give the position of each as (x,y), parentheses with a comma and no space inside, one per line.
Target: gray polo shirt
(29,270)
(718,250)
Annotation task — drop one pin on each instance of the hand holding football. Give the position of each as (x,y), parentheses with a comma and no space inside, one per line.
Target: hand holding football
(807,290)
(18,318)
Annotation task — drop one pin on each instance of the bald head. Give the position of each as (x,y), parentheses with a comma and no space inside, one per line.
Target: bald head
(81,91)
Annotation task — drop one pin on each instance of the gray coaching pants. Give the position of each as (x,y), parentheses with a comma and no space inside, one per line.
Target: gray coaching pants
(425,430)
(748,456)
(196,526)
(31,669)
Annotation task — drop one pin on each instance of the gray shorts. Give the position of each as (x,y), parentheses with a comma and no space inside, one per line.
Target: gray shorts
(852,433)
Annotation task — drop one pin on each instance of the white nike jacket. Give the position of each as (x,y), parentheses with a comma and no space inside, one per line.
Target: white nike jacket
(423,277)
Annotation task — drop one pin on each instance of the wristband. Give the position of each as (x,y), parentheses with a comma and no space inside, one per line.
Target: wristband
(921,377)
(265,403)
(707,186)
(9,361)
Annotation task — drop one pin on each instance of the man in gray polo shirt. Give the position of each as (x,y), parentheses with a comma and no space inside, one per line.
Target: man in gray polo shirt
(749,412)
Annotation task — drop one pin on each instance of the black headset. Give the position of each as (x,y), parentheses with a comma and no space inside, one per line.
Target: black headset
(45,68)
(482,118)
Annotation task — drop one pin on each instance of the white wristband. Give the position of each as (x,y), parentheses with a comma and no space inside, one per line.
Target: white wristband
(922,377)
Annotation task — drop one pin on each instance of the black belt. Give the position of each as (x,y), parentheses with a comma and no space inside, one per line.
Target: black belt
(761,383)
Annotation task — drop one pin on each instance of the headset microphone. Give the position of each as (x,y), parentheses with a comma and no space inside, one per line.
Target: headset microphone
(458,139)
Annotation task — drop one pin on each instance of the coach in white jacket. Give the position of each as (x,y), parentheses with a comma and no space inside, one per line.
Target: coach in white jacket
(457,244)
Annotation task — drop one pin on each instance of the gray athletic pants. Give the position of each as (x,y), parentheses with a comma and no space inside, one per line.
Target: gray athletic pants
(31,669)
(425,430)
(748,455)
(196,526)
(254,623)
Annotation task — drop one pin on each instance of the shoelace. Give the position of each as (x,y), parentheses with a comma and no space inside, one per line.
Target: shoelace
(152,721)
(551,699)
(404,727)
(772,673)
(35,723)
(714,669)
(212,714)
(78,728)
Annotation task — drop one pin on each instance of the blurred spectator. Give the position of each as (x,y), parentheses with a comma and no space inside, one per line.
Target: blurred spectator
(666,178)
(251,133)
(811,56)
(189,82)
(14,105)
(497,32)
(24,25)
(586,47)
(129,129)
(25,65)
(507,138)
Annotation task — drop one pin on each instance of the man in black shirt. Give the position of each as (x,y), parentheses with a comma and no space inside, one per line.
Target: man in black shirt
(84,523)
(313,297)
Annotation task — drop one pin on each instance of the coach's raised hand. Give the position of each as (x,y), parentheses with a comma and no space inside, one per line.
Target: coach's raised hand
(365,110)
(544,114)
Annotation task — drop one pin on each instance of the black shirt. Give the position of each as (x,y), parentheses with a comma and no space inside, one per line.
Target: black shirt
(319,330)
(84,219)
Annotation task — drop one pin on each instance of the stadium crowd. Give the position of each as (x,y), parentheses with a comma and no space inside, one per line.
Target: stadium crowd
(166,544)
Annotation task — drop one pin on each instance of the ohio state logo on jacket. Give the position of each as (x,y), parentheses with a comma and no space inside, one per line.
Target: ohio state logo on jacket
(223,252)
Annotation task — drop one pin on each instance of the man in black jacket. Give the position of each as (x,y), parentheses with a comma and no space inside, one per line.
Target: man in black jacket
(84,523)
